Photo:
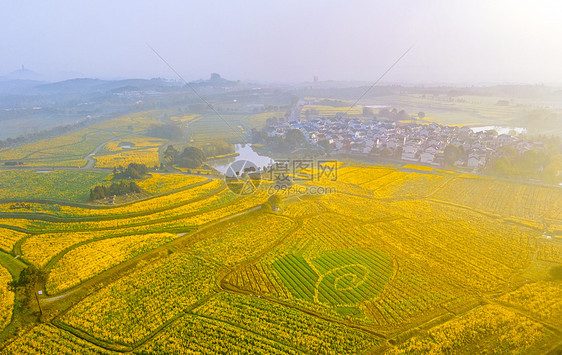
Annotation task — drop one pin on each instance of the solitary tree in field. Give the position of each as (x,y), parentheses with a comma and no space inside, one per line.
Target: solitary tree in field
(170,153)
(274,202)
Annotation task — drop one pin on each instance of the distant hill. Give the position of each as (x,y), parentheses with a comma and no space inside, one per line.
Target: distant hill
(214,81)
(72,85)
(24,74)
(98,85)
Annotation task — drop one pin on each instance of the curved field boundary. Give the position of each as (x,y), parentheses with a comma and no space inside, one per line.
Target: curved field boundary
(181,242)
(236,290)
(14,228)
(485,213)
(48,217)
(143,223)
(79,292)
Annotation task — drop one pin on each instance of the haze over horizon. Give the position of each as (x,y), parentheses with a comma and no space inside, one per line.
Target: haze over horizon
(289,41)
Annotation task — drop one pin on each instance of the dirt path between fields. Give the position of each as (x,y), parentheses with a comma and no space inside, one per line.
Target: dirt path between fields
(113,273)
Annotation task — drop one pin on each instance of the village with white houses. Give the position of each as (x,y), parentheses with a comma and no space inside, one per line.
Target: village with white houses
(406,141)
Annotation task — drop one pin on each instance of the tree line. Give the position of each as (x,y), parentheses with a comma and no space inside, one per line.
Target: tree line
(115,189)
(190,157)
(132,171)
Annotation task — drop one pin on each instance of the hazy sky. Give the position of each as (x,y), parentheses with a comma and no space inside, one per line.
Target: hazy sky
(291,40)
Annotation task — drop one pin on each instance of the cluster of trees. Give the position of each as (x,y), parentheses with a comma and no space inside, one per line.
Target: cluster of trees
(190,158)
(537,164)
(274,203)
(165,131)
(394,114)
(133,171)
(293,139)
(452,153)
(387,152)
(368,112)
(219,147)
(21,205)
(117,189)
(26,284)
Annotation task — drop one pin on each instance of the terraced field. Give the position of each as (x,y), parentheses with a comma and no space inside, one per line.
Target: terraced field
(396,260)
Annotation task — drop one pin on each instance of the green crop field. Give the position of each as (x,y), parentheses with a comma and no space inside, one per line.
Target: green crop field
(61,185)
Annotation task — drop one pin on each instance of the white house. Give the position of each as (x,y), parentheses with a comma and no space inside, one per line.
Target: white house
(427,157)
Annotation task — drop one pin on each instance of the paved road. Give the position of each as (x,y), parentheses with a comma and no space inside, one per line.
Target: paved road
(91,162)
(90,157)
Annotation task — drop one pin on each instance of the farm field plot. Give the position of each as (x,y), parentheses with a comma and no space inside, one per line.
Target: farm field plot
(185,118)
(486,327)
(360,208)
(507,199)
(549,250)
(470,260)
(132,123)
(361,175)
(57,162)
(130,149)
(6,298)
(8,238)
(211,128)
(184,195)
(258,278)
(285,326)
(304,209)
(148,157)
(258,120)
(243,240)
(393,178)
(52,185)
(60,151)
(48,339)
(222,198)
(90,259)
(194,334)
(410,186)
(71,149)
(331,111)
(26,150)
(326,233)
(132,143)
(38,249)
(542,300)
(162,183)
(132,308)
(343,278)
(393,261)
(471,110)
